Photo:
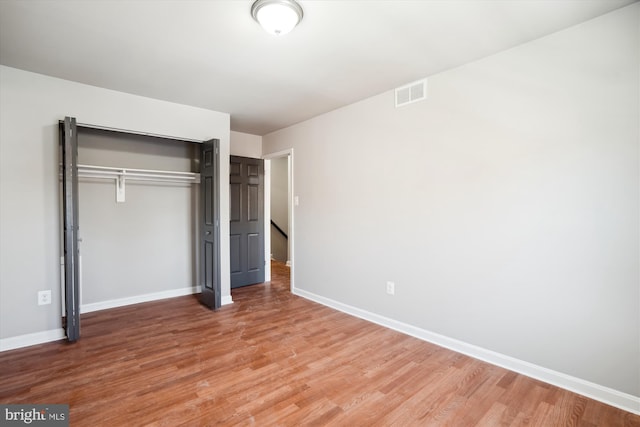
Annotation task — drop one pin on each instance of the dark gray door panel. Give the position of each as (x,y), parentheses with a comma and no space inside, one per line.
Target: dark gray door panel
(210,225)
(246,215)
(69,155)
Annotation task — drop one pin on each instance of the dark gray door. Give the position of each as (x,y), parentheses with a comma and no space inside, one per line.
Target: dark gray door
(69,156)
(246,188)
(210,224)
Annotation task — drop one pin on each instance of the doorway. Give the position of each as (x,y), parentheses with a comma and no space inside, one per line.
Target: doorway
(280,210)
(285,209)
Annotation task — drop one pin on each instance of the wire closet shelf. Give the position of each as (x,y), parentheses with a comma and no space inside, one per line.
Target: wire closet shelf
(107,172)
(121,175)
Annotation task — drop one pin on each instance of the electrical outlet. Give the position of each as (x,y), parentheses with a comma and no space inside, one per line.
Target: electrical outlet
(44,297)
(391,288)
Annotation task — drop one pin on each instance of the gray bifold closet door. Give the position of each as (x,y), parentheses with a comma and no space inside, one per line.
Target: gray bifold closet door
(210,224)
(69,157)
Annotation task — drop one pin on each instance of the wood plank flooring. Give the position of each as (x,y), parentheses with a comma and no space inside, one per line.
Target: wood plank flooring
(272,358)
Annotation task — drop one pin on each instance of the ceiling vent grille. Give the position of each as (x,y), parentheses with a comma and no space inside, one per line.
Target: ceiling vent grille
(413,92)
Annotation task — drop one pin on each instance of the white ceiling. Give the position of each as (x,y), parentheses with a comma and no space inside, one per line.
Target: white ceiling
(212,54)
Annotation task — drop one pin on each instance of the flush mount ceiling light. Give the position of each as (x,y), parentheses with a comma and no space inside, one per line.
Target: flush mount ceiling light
(277,16)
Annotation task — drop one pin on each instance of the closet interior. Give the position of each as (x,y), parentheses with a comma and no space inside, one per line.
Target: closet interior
(138,205)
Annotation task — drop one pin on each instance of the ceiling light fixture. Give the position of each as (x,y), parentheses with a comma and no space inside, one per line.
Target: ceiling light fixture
(277,17)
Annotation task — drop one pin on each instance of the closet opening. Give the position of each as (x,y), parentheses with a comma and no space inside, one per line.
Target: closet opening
(140,219)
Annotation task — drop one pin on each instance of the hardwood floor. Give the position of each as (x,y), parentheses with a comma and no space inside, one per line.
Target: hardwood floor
(272,358)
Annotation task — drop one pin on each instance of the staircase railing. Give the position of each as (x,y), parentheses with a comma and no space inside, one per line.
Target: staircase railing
(279,229)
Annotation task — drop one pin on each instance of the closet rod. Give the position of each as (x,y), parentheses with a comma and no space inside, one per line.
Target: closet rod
(137,177)
(129,172)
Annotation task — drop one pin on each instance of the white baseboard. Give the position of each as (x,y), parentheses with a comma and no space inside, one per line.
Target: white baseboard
(59,334)
(32,339)
(120,302)
(594,391)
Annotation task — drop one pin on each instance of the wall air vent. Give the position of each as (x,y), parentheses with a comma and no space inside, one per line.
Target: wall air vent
(413,92)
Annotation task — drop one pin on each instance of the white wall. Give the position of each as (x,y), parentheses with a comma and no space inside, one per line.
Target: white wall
(505,207)
(246,145)
(30,106)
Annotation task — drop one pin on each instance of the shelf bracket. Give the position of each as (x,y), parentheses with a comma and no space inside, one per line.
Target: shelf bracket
(120,188)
